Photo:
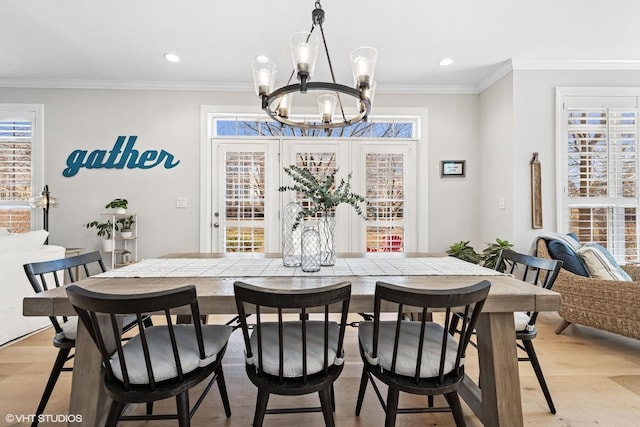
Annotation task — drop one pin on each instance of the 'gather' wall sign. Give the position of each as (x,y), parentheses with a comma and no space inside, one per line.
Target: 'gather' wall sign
(118,158)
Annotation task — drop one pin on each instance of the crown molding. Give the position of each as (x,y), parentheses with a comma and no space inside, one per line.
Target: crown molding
(501,70)
(428,89)
(207,86)
(558,65)
(125,85)
(578,64)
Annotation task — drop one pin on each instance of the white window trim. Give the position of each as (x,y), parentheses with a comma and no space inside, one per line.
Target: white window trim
(562,93)
(37,153)
(206,208)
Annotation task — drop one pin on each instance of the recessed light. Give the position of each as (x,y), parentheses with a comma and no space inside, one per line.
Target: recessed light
(171,57)
(445,62)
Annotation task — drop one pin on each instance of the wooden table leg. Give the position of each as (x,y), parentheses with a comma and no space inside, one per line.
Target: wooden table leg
(88,397)
(499,375)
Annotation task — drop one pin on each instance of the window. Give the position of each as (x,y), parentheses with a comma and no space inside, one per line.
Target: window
(18,165)
(247,126)
(244,201)
(600,197)
(385,175)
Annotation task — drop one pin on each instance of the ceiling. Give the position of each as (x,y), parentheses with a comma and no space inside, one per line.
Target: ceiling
(120,43)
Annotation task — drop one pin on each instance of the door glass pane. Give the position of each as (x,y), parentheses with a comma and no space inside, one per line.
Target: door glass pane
(244,202)
(244,239)
(386,196)
(319,164)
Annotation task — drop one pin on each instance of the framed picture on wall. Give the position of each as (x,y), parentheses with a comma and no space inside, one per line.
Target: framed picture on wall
(451,168)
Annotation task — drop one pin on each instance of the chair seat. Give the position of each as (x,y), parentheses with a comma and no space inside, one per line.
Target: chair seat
(407,348)
(292,333)
(215,338)
(70,327)
(521,320)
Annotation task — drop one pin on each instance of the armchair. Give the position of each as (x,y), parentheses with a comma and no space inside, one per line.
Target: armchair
(609,305)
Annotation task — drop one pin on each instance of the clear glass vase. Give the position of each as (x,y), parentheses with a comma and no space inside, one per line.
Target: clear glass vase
(327,229)
(310,257)
(291,237)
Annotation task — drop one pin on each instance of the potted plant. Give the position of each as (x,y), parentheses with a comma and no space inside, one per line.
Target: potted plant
(491,253)
(322,196)
(125,224)
(463,251)
(104,230)
(118,205)
(487,258)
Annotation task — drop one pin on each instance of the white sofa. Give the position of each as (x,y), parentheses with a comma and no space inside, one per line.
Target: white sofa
(15,251)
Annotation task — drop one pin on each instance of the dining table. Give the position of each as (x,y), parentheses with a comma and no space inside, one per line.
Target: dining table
(495,399)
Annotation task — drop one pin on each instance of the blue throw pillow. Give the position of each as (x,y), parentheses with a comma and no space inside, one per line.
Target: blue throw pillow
(571,261)
(570,239)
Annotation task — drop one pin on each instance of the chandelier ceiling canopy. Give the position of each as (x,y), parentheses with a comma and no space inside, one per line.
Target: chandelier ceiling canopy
(278,102)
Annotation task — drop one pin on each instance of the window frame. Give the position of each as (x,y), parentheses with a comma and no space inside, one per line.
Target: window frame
(615,246)
(37,153)
(418,116)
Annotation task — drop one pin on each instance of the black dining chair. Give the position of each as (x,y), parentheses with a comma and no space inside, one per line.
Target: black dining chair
(540,272)
(45,275)
(160,361)
(293,356)
(418,356)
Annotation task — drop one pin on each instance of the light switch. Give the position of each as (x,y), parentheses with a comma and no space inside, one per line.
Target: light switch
(181,202)
(501,203)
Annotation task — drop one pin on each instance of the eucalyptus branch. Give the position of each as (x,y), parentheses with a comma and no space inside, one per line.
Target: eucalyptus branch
(324,196)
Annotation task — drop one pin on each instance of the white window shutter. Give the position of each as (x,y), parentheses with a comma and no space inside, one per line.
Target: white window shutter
(602,172)
(16,142)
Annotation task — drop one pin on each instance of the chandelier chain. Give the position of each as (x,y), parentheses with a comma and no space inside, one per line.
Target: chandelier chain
(333,76)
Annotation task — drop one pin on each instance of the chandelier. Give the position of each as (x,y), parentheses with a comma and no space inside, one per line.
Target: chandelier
(277,103)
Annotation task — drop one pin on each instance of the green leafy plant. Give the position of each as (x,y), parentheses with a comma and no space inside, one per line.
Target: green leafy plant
(104,229)
(324,195)
(491,254)
(126,222)
(463,251)
(118,203)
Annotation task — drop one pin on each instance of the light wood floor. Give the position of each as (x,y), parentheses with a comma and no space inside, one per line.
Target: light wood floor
(591,375)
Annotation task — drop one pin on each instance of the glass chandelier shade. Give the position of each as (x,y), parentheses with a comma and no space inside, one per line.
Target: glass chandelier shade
(264,76)
(278,102)
(304,53)
(363,63)
(45,200)
(285,105)
(327,106)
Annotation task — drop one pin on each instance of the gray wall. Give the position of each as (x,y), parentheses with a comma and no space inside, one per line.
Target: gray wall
(497,165)
(170,120)
(496,132)
(534,94)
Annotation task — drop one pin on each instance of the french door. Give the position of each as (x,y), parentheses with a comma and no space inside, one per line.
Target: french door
(247,204)
(389,182)
(321,158)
